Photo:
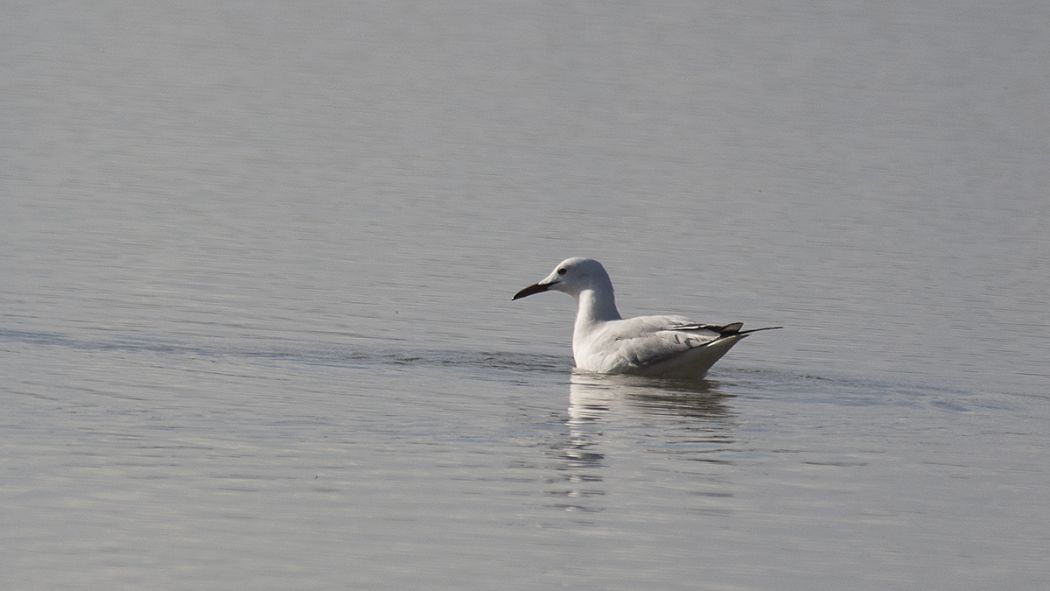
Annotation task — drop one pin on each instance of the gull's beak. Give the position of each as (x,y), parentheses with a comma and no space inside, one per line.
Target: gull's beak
(534,288)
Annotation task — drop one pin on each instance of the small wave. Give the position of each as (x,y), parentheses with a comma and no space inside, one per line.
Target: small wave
(307,353)
(858,390)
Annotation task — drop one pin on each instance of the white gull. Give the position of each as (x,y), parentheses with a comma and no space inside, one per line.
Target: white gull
(657,346)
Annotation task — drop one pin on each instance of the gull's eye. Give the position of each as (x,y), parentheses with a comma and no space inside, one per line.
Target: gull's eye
(562,271)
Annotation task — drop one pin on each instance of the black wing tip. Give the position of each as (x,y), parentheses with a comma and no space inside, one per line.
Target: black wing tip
(725,330)
(738,334)
(747,332)
(731,328)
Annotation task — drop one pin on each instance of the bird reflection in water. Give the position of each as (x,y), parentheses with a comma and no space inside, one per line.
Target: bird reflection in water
(606,412)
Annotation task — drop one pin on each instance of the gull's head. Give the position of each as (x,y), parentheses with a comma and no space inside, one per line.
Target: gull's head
(571,276)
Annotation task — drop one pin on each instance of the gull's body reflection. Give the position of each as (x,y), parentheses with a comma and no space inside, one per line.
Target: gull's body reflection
(620,420)
(589,393)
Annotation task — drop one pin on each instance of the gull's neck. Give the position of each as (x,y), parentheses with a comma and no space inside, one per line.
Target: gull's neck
(595,306)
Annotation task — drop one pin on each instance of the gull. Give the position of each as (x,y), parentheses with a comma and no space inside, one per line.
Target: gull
(655,346)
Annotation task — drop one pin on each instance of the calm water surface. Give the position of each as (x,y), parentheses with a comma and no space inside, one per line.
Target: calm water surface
(256,262)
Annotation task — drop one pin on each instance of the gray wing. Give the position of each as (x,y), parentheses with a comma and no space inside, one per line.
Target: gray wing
(650,340)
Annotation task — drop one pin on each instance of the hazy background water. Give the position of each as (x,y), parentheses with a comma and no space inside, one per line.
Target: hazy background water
(256,261)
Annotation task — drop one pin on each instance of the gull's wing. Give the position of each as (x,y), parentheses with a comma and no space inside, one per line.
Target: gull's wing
(646,342)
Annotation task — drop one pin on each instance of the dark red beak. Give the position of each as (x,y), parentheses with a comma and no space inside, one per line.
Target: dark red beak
(534,288)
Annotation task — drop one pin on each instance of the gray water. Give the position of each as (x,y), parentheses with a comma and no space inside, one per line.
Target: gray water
(256,261)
